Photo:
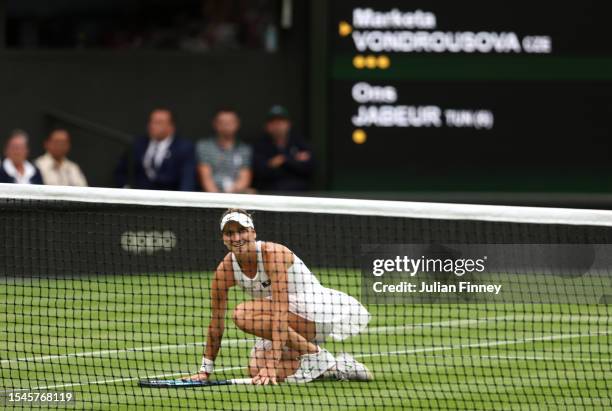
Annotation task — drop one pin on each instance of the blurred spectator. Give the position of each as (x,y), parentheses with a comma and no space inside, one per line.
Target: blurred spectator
(15,167)
(224,162)
(282,161)
(216,27)
(160,160)
(54,166)
(195,25)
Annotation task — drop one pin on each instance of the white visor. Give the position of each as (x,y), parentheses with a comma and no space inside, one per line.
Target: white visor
(242,219)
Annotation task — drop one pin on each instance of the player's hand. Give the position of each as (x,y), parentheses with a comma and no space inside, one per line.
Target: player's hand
(266,376)
(201,376)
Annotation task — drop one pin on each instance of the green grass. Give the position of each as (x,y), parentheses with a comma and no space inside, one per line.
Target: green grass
(426,356)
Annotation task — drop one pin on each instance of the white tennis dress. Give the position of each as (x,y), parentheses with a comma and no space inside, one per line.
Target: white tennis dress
(335,313)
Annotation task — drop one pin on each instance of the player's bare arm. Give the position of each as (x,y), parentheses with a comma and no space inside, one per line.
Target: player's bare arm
(221,283)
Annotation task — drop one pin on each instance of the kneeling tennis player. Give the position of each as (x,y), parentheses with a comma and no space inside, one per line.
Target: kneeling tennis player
(291,313)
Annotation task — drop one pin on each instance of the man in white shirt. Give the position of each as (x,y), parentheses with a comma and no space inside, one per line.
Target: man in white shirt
(54,166)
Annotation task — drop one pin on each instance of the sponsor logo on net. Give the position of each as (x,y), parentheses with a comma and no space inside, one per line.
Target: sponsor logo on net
(148,242)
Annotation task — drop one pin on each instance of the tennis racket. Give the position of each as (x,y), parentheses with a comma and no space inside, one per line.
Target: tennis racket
(192,384)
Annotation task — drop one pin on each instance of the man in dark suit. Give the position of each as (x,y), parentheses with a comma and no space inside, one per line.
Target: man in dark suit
(160,160)
(15,168)
(281,160)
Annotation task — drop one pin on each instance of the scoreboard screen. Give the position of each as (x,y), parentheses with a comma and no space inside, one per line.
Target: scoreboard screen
(472,95)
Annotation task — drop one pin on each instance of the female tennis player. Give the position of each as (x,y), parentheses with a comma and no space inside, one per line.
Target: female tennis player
(291,312)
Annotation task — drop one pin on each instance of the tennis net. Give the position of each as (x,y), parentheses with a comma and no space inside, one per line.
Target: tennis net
(470,307)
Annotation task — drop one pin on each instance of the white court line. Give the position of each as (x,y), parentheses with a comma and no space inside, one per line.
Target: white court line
(372,330)
(449,323)
(486,344)
(538,358)
(232,342)
(404,352)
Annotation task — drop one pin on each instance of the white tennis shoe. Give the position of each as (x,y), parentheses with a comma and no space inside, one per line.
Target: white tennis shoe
(348,368)
(312,366)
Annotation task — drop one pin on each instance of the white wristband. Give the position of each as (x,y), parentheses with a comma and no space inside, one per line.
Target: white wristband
(207,365)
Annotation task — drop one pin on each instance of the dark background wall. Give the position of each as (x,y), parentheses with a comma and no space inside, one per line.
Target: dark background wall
(117,89)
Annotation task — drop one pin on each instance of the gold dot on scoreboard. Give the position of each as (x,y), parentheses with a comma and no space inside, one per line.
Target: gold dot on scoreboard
(371,62)
(384,62)
(359,136)
(359,62)
(344,29)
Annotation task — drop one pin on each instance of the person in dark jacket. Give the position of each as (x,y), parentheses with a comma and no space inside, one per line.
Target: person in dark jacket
(15,167)
(160,160)
(282,162)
